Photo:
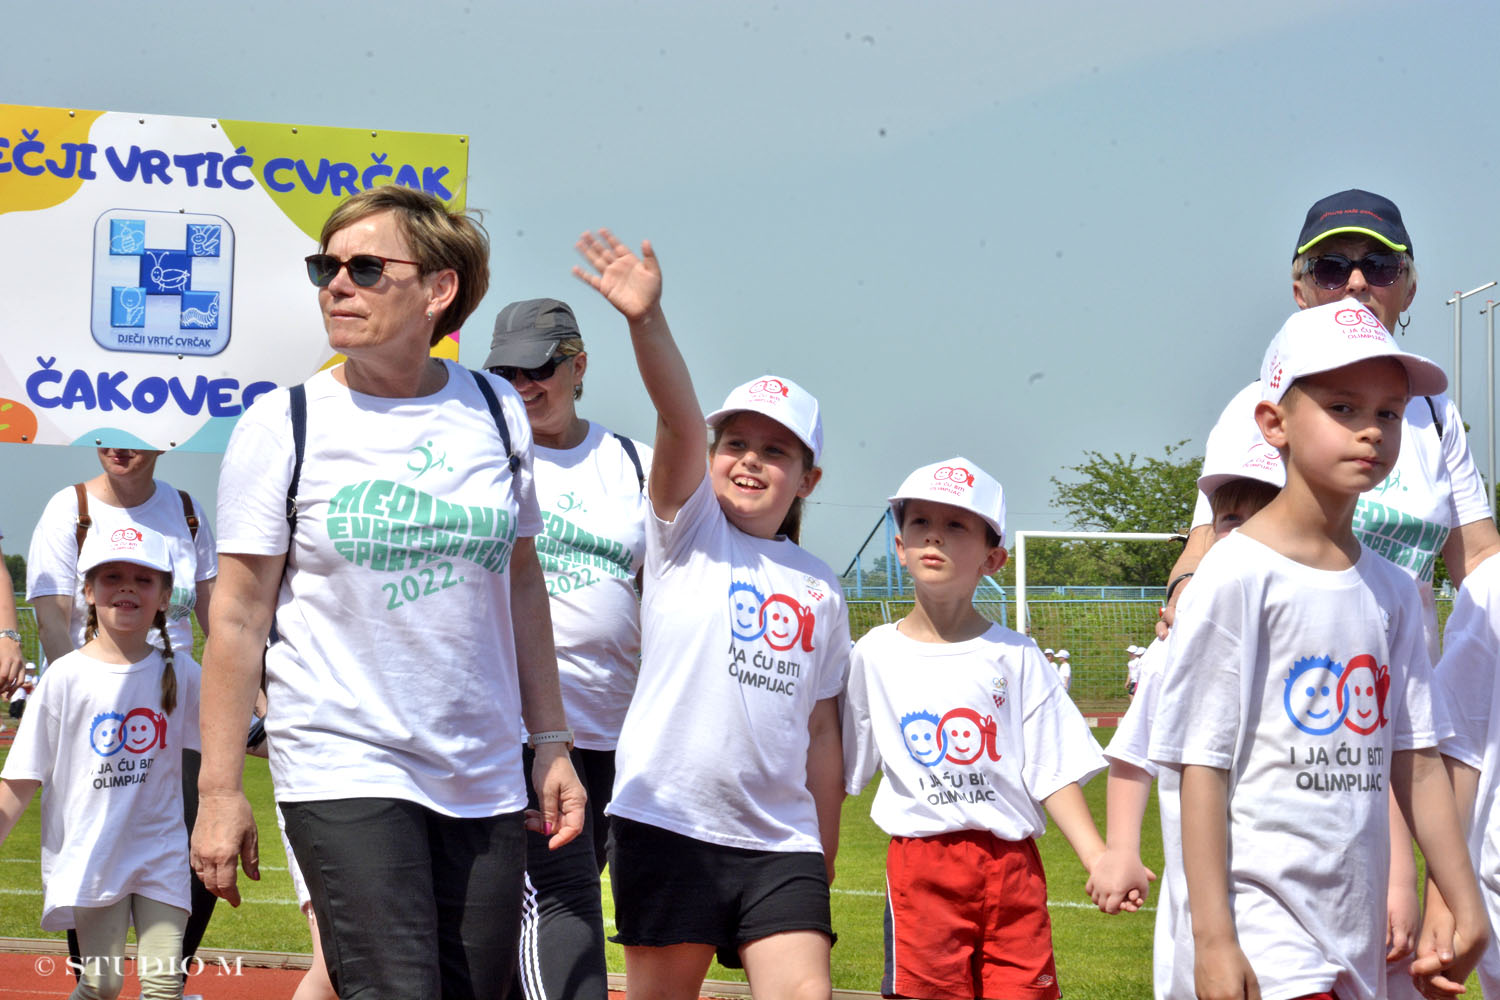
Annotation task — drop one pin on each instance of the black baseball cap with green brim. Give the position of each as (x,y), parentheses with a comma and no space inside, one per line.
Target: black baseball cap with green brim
(1354,211)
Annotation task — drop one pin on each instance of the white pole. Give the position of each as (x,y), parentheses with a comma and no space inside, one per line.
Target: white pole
(1023,623)
(1456,383)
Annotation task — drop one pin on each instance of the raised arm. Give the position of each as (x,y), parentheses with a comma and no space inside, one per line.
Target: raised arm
(633,286)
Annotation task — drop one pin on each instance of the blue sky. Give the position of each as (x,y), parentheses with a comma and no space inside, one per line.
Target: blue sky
(1012,232)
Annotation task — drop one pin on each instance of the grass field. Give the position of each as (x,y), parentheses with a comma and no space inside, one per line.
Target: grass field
(1097,956)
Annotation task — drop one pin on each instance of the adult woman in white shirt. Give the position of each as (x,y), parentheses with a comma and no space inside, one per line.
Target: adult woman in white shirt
(396,555)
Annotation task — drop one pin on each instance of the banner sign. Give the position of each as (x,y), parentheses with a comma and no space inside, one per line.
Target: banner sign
(151,274)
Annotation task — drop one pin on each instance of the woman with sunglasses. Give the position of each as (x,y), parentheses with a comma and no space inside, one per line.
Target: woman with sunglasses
(589,483)
(126,492)
(394,551)
(1355,244)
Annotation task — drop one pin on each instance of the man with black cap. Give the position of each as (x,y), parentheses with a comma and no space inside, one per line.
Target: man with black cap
(1355,244)
(590,487)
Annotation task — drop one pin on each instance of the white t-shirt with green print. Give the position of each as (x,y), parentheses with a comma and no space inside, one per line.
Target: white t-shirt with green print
(395,676)
(591,547)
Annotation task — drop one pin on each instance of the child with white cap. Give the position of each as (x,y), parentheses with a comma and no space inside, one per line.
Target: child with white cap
(1064,665)
(1298,691)
(976,736)
(104,734)
(1241,474)
(728,769)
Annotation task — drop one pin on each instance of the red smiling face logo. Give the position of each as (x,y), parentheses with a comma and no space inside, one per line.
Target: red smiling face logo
(1355,317)
(954,473)
(968,736)
(145,729)
(125,535)
(1362,692)
(770,386)
(785,621)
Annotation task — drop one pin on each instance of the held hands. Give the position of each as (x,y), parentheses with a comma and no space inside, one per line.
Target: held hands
(631,284)
(223,835)
(560,794)
(1118,881)
(1446,953)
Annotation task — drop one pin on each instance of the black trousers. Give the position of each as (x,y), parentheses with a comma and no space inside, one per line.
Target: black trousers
(562,920)
(411,904)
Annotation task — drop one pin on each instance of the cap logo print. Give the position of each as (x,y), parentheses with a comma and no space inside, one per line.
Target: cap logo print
(770,386)
(1354,317)
(125,535)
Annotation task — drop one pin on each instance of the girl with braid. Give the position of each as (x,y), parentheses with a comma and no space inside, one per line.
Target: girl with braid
(105,732)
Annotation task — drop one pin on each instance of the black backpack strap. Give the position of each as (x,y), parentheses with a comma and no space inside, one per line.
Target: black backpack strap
(493,402)
(1437,421)
(635,458)
(299,445)
(188,514)
(84,521)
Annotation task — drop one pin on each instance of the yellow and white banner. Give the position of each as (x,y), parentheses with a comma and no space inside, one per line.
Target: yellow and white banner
(151,274)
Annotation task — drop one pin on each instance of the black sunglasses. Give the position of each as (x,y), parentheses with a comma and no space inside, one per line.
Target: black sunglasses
(541,373)
(1332,270)
(364,268)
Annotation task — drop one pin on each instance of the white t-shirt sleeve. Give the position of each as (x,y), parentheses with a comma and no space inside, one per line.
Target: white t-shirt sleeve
(208,554)
(1469,498)
(1466,673)
(253,479)
(1199,715)
(1131,743)
(1059,747)
(861,755)
(52,561)
(37,743)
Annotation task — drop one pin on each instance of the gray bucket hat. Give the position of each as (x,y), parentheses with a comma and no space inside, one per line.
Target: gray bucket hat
(528,332)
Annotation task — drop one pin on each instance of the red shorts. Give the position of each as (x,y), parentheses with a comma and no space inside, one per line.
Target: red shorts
(966,916)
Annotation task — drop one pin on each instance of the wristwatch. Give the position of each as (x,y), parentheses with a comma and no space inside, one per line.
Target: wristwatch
(10,633)
(535,740)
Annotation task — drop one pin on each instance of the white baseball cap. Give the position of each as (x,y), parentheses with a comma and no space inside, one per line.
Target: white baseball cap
(1048,650)
(1236,450)
(1062,654)
(958,482)
(781,399)
(1334,335)
(130,543)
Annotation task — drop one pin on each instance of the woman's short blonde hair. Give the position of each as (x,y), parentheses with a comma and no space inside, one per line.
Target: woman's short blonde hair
(440,240)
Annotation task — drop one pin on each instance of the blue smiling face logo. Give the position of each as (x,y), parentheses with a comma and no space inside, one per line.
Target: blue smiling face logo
(744,612)
(923,735)
(107,735)
(1311,696)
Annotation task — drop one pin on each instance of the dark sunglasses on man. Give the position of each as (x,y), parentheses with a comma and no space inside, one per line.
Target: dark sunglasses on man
(1331,270)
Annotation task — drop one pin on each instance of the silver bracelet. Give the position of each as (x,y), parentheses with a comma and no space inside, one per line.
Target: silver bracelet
(551,736)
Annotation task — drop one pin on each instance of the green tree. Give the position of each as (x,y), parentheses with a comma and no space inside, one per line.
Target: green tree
(16,565)
(1118,493)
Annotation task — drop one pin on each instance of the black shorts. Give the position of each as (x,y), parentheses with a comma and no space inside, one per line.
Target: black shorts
(670,889)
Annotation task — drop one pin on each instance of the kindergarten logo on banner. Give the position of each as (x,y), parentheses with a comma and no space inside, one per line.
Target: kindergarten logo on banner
(152,265)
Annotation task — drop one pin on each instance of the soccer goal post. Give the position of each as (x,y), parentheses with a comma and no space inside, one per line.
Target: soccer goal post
(1094,623)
